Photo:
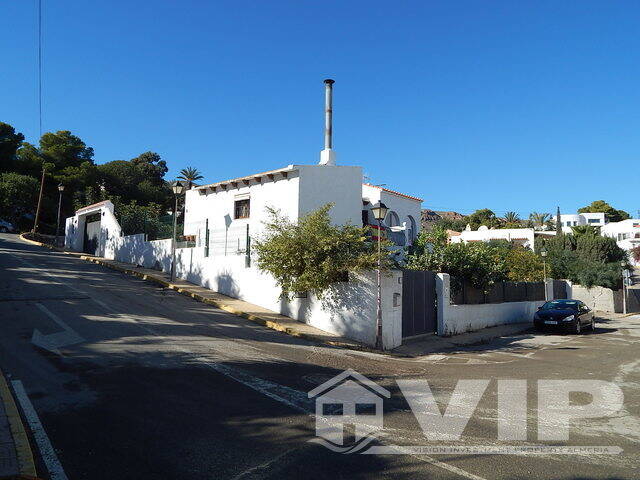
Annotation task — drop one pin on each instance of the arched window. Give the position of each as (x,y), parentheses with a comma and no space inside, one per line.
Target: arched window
(392,219)
(412,229)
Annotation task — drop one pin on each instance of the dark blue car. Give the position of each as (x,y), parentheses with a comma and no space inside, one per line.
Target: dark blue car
(568,315)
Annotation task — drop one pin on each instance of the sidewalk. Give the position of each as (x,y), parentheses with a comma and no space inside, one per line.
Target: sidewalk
(433,344)
(15,453)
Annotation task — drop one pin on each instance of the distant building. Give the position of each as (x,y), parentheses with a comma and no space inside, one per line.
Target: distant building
(574,220)
(520,236)
(626,233)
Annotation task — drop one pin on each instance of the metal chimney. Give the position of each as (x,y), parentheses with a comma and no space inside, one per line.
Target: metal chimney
(328,156)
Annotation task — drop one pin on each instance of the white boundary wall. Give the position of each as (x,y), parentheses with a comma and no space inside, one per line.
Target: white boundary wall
(457,319)
(596,298)
(348,309)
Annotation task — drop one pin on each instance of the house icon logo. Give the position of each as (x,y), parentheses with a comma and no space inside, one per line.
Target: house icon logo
(347,405)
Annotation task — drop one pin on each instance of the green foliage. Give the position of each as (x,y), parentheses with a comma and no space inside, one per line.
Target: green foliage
(483,216)
(523,265)
(511,217)
(18,195)
(539,218)
(134,218)
(190,175)
(450,224)
(10,140)
(481,264)
(585,258)
(600,206)
(312,254)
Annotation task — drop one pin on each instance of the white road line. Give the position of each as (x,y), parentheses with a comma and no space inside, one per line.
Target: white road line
(56,472)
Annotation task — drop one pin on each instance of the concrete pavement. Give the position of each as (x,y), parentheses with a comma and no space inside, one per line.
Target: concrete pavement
(168,388)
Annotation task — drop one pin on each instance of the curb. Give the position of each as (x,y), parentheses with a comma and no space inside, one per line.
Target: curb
(265,322)
(18,432)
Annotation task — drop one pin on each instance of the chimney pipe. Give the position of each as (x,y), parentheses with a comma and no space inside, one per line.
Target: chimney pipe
(328,156)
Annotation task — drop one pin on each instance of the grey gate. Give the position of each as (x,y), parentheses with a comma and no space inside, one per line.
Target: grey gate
(419,307)
(91,237)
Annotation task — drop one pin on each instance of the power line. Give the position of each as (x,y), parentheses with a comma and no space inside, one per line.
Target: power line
(40,66)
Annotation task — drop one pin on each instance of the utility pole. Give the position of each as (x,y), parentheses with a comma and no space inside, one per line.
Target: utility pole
(37,219)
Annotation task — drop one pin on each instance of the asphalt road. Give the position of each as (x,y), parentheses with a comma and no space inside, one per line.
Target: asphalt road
(160,386)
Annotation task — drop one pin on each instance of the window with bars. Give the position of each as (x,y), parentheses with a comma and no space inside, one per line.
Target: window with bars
(242,209)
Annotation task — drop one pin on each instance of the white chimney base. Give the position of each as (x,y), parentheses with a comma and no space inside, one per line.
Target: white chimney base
(327,157)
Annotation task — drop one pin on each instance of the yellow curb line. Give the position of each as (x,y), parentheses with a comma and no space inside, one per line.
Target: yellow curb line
(20,438)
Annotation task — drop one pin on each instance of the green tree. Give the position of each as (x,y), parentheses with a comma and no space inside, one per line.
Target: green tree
(312,254)
(539,218)
(481,264)
(10,141)
(523,265)
(483,216)
(190,175)
(18,195)
(600,206)
(511,217)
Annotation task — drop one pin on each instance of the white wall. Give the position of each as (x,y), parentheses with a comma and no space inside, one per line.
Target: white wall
(348,309)
(340,185)
(596,298)
(109,228)
(457,319)
(403,206)
(626,233)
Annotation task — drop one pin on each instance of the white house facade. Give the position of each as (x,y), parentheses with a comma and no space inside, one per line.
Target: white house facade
(574,220)
(626,233)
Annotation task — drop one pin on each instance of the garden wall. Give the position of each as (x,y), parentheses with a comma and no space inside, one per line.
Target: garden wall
(347,309)
(455,319)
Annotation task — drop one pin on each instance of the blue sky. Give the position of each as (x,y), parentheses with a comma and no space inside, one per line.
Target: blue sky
(500,104)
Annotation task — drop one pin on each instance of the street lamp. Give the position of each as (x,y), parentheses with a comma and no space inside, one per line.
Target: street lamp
(543,253)
(177,191)
(60,189)
(379,211)
(623,264)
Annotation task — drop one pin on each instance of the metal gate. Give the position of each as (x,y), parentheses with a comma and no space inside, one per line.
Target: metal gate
(419,309)
(91,237)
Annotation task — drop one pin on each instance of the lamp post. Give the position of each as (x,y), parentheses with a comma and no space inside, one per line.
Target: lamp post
(177,191)
(543,253)
(60,189)
(379,211)
(623,264)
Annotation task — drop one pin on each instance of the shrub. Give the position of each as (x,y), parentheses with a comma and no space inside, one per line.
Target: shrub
(312,254)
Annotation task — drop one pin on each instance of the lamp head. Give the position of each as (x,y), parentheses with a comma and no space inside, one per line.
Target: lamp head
(379,211)
(177,188)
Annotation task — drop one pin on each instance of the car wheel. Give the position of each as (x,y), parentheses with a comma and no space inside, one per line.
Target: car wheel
(577,329)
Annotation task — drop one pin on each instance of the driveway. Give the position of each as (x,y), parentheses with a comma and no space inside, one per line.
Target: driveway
(147,383)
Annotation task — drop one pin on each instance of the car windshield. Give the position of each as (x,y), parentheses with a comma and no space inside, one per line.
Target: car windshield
(560,305)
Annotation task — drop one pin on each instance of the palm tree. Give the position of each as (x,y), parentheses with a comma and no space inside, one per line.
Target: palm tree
(511,217)
(539,218)
(190,175)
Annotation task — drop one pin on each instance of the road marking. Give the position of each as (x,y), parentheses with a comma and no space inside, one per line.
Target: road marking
(56,472)
(54,341)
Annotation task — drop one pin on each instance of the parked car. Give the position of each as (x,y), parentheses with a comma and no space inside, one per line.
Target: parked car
(6,227)
(571,315)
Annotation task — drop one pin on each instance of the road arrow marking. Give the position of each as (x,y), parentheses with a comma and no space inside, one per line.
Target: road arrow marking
(53,342)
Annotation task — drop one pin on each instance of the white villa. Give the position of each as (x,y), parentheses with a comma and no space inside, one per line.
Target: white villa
(223,218)
(573,220)
(626,234)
